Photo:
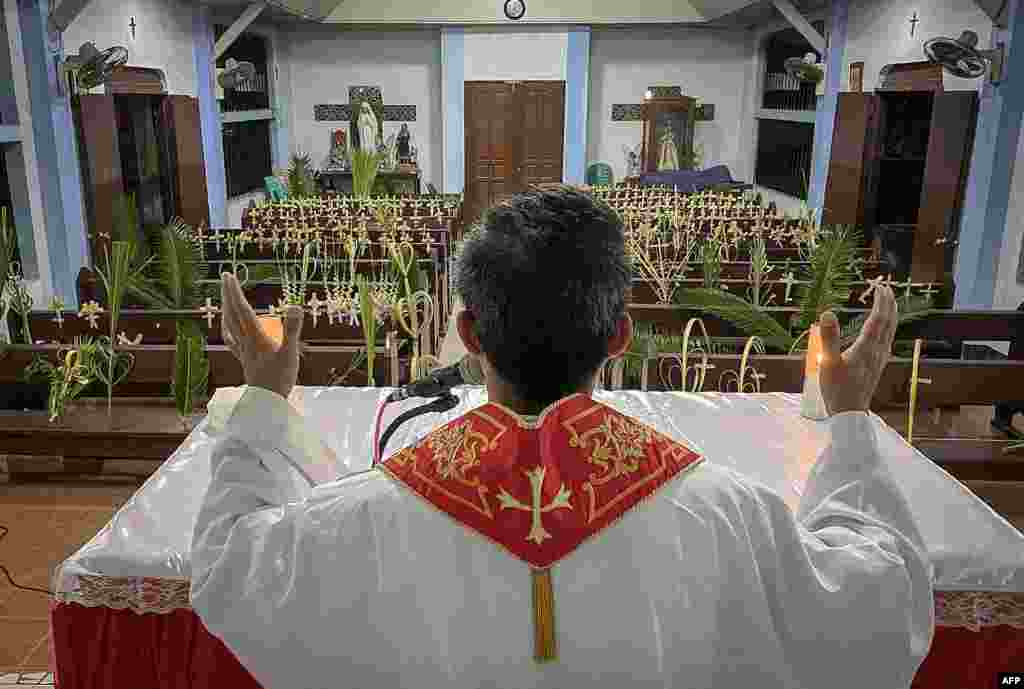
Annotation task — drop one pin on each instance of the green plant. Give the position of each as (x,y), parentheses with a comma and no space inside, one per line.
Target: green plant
(759,270)
(295,279)
(175,284)
(191,367)
(364,172)
(301,181)
(8,245)
(116,273)
(711,261)
(76,370)
(909,309)
(369,319)
(830,273)
(740,313)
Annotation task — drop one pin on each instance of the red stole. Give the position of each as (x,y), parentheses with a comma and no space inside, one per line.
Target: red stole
(539,490)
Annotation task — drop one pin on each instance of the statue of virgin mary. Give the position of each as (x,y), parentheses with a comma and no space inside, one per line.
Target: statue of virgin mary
(367,126)
(668,158)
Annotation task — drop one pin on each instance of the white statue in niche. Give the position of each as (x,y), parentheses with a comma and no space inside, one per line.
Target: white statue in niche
(632,160)
(668,158)
(368,128)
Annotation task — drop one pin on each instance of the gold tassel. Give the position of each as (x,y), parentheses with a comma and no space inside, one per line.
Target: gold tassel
(545,649)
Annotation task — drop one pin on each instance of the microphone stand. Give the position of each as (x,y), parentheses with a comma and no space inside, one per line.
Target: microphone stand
(445,402)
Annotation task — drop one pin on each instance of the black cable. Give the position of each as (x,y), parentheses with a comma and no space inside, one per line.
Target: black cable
(3,534)
(442,404)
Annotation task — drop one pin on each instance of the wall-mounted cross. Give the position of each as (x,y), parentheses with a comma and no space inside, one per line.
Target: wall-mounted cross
(913,23)
(343,113)
(630,112)
(131,25)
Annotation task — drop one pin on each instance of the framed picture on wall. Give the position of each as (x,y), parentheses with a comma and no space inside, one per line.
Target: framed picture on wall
(857,77)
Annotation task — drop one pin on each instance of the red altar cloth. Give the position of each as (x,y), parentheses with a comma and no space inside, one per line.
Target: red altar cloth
(105,648)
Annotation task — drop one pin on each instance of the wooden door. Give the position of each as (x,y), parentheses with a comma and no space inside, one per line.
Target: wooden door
(490,140)
(950,141)
(542,132)
(181,117)
(845,197)
(100,157)
(514,139)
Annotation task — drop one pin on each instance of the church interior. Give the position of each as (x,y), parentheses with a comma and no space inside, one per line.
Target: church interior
(770,160)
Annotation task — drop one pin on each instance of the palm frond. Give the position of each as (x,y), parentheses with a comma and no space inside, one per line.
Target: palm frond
(8,244)
(126,228)
(364,172)
(910,309)
(738,312)
(300,177)
(181,266)
(191,367)
(831,272)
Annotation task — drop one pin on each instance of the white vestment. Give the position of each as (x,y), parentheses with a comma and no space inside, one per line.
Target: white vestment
(711,583)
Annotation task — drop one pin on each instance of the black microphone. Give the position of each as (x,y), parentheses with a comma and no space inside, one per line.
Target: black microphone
(441,380)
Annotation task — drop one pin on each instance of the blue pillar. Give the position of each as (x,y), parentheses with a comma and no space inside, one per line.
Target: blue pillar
(825,117)
(983,221)
(209,116)
(53,138)
(453,94)
(577,88)
(282,103)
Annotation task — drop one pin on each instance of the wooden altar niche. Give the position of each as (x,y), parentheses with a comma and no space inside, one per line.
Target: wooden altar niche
(899,168)
(677,114)
(115,161)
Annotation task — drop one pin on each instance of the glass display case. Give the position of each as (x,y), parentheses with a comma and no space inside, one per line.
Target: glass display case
(668,125)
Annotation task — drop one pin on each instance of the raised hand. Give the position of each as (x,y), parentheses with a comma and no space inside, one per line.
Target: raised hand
(849,379)
(265,363)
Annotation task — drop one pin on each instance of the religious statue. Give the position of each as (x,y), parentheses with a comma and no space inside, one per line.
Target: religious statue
(367,127)
(337,159)
(404,147)
(390,153)
(668,156)
(632,160)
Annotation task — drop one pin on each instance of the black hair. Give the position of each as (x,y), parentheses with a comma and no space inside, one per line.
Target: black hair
(546,281)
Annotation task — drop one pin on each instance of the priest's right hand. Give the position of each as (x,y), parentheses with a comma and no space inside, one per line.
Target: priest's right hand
(849,379)
(266,363)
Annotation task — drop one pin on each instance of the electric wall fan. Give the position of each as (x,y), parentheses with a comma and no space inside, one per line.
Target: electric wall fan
(90,67)
(961,57)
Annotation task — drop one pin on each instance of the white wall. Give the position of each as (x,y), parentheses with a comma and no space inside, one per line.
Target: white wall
(324,61)
(878,33)
(163,36)
(497,55)
(712,66)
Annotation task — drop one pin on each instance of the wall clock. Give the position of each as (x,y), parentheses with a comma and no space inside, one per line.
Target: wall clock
(515,9)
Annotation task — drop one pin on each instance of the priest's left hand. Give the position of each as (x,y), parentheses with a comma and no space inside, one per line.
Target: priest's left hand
(266,365)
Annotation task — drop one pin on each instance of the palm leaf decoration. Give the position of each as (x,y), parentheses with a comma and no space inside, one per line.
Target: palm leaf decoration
(300,177)
(175,284)
(912,308)
(364,172)
(191,367)
(175,280)
(830,275)
(125,228)
(738,312)
(8,245)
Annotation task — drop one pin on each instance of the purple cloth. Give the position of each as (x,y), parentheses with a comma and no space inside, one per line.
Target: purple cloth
(689,180)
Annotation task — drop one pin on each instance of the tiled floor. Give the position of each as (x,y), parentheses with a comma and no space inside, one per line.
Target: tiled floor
(47,523)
